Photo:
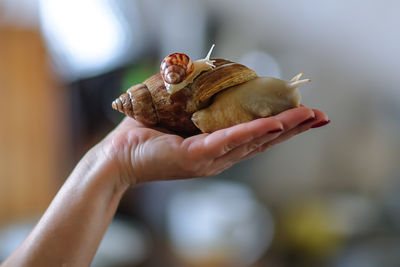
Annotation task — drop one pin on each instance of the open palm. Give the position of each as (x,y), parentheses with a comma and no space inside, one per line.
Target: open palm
(149,154)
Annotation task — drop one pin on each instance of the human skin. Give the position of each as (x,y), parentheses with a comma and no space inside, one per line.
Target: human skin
(70,231)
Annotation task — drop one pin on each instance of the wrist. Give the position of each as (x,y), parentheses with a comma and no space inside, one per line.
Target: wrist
(100,166)
(119,149)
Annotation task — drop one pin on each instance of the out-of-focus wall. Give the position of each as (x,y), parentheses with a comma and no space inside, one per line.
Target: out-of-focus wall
(32,117)
(349,49)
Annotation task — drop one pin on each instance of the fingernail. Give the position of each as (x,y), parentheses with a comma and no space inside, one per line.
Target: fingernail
(308,120)
(276,131)
(320,124)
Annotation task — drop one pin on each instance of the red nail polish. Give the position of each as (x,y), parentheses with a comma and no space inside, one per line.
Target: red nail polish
(275,131)
(320,124)
(308,120)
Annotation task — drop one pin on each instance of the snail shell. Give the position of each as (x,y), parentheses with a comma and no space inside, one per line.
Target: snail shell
(137,103)
(179,97)
(153,105)
(175,68)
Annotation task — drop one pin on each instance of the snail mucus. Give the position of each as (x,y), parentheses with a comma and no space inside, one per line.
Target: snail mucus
(206,95)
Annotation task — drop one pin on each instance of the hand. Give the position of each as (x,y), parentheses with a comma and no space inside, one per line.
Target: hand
(145,154)
(133,154)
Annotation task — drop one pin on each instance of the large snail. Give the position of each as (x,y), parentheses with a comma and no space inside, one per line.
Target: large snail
(206,95)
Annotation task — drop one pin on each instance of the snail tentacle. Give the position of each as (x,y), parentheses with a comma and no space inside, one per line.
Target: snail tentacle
(298,83)
(297,77)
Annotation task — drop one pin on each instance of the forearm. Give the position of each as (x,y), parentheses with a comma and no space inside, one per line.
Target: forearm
(71,229)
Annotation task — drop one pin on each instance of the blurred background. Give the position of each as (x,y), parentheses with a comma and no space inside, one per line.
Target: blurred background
(329,197)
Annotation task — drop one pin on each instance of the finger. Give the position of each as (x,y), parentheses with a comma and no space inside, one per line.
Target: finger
(220,169)
(323,119)
(319,115)
(221,142)
(226,140)
(280,139)
(238,153)
(293,117)
(302,127)
(257,151)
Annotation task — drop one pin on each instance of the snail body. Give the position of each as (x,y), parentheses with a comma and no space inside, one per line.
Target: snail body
(206,95)
(260,97)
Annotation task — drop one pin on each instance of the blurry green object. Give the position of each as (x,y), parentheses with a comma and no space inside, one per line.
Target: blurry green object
(309,227)
(137,73)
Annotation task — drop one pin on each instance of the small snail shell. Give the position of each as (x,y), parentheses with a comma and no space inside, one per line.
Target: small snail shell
(175,68)
(178,70)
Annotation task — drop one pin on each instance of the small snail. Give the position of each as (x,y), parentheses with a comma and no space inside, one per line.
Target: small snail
(206,95)
(178,70)
(175,68)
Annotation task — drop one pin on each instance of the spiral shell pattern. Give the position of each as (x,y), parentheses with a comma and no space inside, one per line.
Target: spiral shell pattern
(175,68)
(137,103)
